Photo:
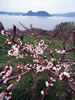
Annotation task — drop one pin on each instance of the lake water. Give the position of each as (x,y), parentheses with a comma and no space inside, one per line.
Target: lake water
(48,23)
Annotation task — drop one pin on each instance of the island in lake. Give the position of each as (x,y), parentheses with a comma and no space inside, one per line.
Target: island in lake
(38,13)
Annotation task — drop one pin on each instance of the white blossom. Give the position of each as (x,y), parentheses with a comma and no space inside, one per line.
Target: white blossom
(3,32)
(8,41)
(38,50)
(47,84)
(63,74)
(42,92)
(41,43)
(39,68)
(18,78)
(28,67)
(49,65)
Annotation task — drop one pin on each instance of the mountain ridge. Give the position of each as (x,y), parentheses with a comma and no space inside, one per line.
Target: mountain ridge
(29,13)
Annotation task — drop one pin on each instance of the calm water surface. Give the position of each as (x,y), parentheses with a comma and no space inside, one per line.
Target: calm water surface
(48,23)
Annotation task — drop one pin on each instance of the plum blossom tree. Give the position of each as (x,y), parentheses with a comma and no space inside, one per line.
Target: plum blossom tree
(60,69)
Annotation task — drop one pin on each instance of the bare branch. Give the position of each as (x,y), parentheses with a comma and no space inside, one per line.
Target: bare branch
(70,49)
(71,85)
(63,45)
(61,59)
(14,30)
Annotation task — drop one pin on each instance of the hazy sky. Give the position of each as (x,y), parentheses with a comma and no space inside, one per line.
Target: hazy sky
(52,6)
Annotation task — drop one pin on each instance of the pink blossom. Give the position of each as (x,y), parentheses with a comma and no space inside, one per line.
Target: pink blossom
(28,67)
(53,59)
(52,79)
(3,32)
(44,92)
(19,42)
(60,51)
(15,47)
(41,43)
(38,50)
(8,41)
(20,69)
(58,67)
(8,95)
(39,68)
(13,52)
(64,75)
(49,83)
(49,65)
(18,78)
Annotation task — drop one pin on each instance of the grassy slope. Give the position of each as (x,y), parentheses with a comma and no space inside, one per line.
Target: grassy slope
(29,84)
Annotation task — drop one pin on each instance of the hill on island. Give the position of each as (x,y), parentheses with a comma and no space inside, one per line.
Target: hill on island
(39,13)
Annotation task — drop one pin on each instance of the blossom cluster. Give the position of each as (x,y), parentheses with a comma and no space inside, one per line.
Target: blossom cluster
(8,95)
(40,68)
(5,76)
(64,75)
(19,42)
(8,41)
(60,51)
(57,68)
(35,50)
(14,51)
(28,67)
(6,73)
(15,48)
(5,33)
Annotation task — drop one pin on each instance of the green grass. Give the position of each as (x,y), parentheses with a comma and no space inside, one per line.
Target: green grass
(29,39)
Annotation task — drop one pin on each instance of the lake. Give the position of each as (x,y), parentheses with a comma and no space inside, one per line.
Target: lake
(47,23)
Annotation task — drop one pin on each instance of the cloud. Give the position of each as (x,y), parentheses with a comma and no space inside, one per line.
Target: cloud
(52,6)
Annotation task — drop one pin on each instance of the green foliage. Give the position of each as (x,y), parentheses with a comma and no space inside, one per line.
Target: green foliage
(63,30)
(26,81)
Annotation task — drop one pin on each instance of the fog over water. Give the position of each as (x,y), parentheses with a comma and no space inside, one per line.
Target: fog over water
(47,23)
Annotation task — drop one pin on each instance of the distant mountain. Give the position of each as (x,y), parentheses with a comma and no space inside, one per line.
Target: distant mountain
(39,13)
(70,14)
(11,13)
